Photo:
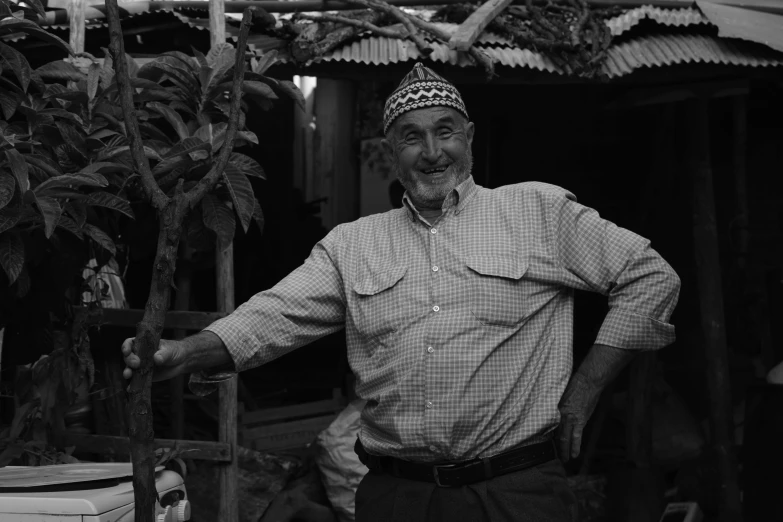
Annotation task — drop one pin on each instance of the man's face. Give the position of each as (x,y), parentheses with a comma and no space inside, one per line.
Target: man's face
(431,151)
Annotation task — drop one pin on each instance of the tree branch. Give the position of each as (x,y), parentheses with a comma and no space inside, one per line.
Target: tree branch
(117,49)
(361,24)
(404,18)
(194,195)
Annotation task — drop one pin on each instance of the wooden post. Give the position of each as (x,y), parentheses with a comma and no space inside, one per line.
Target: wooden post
(227,401)
(336,161)
(713,324)
(76,15)
(217,23)
(182,279)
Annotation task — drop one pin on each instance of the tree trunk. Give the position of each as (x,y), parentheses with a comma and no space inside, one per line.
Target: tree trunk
(147,339)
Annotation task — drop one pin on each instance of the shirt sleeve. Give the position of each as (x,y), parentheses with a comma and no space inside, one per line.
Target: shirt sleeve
(306,305)
(599,256)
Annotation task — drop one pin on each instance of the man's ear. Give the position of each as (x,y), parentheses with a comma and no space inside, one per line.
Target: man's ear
(469,132)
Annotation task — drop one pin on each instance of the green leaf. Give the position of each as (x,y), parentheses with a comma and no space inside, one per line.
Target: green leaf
(219,218)
(93,76)
(7,189)
(19,168)
(9,217)
(200,58)
(37,7)
(72,137)
(171,116)
(111,201)
(187,146)
(220,55)
(71,180)
(183,58)
(115,151)
(14,25)
(105,166)
(50,210)
(9,101)
(247,136)
(290,89)
(100,237)
(259,89)
(70,225)
(241,194)
(259,66)
(258,216)
(101,134)
(60,70)
(51,168)
(170,68)
(17,63)
(62,113)
(11,255)
(245,165)
(78,211)
(206,133)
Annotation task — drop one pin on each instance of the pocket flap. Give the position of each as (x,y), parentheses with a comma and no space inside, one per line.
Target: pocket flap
(507,267)
(375,282)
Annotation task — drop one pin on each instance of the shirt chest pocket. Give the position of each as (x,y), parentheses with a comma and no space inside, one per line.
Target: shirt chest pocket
(378,310)
(498,290)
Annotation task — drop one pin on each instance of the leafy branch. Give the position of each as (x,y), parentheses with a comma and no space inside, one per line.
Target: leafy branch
(171,211)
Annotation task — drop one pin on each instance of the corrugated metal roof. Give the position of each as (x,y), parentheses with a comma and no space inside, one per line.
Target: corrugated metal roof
(747,24)
(676,17)
(661,50)
(647,51)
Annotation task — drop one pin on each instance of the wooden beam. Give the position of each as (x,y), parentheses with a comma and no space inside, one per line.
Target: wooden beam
(471,28)
(291,412)
(182,281)
(174,319)
(217,23)
(60,17)
(227,402)
(119,446)
(713,324)
(76,13)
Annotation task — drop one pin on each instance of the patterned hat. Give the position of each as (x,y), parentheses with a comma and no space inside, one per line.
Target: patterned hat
(421,88)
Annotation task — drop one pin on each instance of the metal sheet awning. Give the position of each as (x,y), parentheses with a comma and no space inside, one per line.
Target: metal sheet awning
(745,23)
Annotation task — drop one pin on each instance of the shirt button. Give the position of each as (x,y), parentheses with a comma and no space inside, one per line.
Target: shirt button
(436,308)
(433,448)
(428,404)
(430,349)
(435,268)
(434,230)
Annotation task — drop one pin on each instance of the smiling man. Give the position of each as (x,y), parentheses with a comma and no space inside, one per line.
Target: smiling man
(458,311)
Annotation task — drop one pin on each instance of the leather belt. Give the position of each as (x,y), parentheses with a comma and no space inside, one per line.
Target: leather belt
(461,473)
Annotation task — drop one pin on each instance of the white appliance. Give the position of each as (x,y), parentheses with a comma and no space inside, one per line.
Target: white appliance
(85,492)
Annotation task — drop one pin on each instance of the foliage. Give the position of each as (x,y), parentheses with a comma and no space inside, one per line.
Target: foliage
(67,180)
(195,112)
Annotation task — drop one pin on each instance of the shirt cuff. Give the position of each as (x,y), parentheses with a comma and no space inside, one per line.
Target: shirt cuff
(204,383)
(631,331)
(241,346)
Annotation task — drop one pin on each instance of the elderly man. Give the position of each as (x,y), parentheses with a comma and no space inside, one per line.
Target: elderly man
(458,310)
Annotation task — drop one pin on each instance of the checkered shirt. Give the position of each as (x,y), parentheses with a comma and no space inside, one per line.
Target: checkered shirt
(460,332)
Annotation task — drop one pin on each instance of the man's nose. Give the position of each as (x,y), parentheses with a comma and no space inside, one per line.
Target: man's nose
(431,149)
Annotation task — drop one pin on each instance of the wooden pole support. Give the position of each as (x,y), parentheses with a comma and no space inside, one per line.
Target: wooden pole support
(182,279)
(76,37)
(471,28)
(217,22)
(705,235)
(227,402)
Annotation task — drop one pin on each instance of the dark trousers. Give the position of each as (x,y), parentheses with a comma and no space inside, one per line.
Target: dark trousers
(537,494)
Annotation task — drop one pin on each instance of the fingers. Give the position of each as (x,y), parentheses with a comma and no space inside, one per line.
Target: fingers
(576,440)
(564,438)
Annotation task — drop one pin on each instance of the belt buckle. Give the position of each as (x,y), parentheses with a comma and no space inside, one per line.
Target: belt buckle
(437,477)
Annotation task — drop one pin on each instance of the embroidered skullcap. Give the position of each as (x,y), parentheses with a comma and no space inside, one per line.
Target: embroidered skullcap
(421,88)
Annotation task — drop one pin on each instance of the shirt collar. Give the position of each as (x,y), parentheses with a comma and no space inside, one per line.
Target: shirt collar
(457,198)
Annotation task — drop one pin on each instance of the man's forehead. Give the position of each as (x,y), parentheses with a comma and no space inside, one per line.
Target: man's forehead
(427,115)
